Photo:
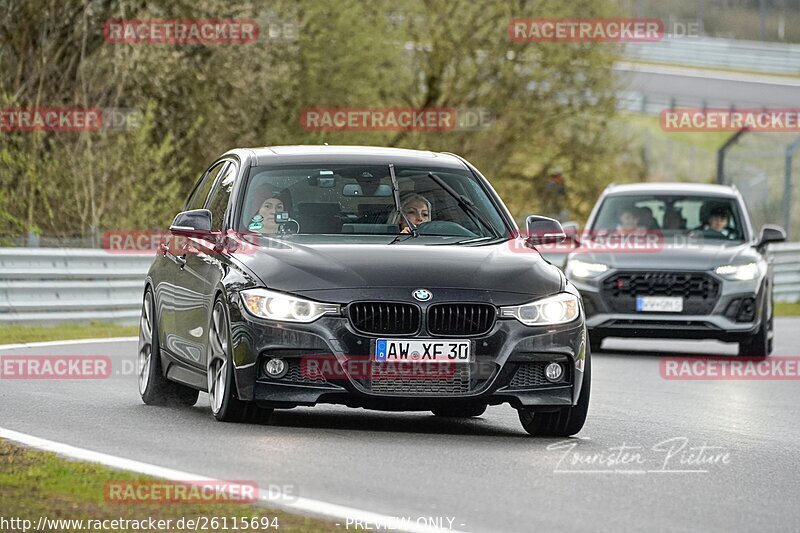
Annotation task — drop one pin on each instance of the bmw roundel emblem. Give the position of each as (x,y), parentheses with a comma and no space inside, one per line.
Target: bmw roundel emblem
(423,295)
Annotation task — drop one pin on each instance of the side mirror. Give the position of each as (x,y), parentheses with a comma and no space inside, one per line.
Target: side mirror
(544,230)
(771,233)
(192,223)
(571,231)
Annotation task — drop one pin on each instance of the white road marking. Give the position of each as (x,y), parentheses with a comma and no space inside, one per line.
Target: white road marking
(271,498)
(109,340)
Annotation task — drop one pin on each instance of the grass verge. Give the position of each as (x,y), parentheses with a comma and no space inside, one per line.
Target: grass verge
(36,484)
(18,333)
(787,309)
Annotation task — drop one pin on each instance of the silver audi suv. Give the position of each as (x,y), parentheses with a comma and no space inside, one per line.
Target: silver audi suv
(675,260)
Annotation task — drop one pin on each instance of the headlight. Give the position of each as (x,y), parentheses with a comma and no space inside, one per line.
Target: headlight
(582,269)
(278,306)
(738,272)
(558,309)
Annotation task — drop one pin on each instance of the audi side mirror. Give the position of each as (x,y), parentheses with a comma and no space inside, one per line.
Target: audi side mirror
(771,233)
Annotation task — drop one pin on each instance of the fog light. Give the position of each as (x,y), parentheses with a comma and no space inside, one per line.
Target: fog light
(276,368)
(553,372)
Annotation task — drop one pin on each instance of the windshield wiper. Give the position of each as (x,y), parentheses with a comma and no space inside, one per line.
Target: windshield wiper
(475,239)
(396,194)
(466,203)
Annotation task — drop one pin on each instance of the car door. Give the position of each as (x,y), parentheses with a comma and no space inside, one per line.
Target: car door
(201,272)
(170,294)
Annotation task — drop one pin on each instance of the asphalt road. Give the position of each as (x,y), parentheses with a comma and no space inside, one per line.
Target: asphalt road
(486,472)
(693,88)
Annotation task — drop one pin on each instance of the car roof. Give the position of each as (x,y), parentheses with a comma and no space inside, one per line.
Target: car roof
(315,154)
(671,188)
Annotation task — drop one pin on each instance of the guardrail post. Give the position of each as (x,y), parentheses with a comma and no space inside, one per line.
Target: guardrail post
(787,187)
(721,154)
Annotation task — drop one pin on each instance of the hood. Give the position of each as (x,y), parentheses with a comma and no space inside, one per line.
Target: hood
(298,268)
(686,257)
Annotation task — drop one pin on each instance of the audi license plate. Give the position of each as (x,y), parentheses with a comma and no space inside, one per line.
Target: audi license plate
(659,304)
(396,350)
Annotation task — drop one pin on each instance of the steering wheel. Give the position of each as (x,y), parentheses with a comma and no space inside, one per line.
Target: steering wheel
(444,227)
(733,234)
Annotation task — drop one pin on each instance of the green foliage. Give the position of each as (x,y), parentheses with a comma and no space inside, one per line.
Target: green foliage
(552,103)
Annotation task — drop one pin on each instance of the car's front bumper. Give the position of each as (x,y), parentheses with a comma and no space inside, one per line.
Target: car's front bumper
(507,367)
(726,320)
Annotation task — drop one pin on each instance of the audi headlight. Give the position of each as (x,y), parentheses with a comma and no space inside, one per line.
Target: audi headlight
(278,306)
(744,272)
(558,309)
(583,269)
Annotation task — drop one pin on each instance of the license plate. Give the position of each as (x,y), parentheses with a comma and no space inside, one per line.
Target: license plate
(659,304)
(391,350)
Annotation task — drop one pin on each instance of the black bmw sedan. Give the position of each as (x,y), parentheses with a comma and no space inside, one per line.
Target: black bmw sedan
(368,277)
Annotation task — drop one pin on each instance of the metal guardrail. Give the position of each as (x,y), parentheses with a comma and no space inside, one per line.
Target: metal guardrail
(776,58)
(52,285)
(638,102)
(786,258)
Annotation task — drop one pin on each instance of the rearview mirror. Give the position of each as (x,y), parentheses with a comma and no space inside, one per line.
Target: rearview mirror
(355,189)
(192,223)
(771,233)
(326,179)
(544,230)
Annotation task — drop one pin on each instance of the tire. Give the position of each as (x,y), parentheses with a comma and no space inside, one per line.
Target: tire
(595,342)
(154,387)
(566,421)
(759,346)
(459,412)
(222,394)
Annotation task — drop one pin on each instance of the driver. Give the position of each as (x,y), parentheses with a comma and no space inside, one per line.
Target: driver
(717,224)
(417,209)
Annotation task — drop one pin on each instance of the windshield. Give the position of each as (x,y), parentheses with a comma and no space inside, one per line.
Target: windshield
(341,200)
(704,217)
